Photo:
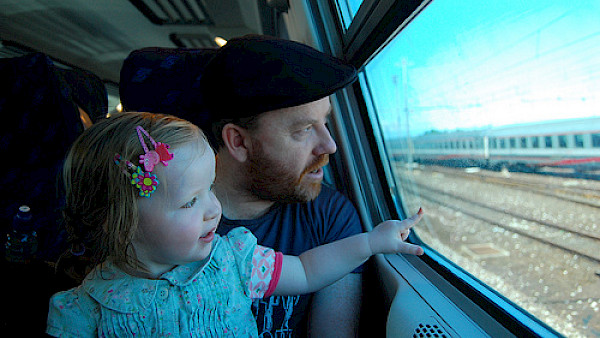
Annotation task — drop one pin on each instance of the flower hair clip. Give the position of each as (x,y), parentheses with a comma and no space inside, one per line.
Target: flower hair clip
(146,181)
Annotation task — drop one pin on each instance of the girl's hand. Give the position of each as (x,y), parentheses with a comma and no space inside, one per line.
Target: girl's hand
(390,236)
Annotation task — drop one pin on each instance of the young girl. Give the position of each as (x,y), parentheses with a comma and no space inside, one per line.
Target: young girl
(139,194)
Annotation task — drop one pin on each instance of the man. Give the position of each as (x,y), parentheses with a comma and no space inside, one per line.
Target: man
(268,100)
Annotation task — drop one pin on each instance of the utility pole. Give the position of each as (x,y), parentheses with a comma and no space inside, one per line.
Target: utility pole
(409,152)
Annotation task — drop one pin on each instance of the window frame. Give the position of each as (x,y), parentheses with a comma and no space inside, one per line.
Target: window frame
(375,192)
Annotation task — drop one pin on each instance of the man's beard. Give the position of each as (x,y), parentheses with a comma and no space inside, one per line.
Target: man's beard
(273,181)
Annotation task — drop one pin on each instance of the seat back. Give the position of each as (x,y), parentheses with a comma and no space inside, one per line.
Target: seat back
(40,121)
(165,80)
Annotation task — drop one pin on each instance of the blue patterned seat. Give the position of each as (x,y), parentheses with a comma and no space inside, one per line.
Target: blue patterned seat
(40,120)
(165,80)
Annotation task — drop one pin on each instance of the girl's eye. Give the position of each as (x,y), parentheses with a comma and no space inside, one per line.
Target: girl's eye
(190,203)
(212,187)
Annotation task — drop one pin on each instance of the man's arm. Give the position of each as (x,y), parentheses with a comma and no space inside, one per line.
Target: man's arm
(335,309)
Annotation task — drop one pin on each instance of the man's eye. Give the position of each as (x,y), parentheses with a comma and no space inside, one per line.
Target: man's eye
(307,129)
(190,203)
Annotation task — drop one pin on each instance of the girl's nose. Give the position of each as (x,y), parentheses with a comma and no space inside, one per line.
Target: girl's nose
(214,210)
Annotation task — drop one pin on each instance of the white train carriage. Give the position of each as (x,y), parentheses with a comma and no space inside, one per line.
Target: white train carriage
(573,143)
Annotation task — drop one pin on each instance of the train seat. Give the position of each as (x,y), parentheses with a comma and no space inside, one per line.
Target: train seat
(41,106)
(165,80)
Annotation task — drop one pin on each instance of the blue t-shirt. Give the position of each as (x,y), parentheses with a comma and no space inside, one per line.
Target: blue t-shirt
(292,229)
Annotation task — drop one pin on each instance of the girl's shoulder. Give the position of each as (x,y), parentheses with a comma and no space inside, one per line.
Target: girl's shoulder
(239,241)
(240,234)
(72,312)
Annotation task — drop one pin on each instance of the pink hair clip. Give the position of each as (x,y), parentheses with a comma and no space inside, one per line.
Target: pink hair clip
(153,157)
(146,181)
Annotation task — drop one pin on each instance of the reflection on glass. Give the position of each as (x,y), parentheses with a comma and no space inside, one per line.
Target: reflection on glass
(490,116)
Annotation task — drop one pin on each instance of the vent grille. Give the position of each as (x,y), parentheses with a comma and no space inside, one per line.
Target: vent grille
(9,51)
(174,12)
(430,330)
(193,41)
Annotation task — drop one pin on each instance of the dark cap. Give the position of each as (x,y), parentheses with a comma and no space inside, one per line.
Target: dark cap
(255,74)
(165,80)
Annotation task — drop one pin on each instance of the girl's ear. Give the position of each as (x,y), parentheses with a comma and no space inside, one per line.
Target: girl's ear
(237,140)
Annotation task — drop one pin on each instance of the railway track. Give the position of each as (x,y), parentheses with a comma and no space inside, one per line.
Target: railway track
(581,195)
(576,242)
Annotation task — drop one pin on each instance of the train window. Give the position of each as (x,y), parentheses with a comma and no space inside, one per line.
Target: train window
(508,69)
(562,141)
(578,140)
(596,140)
(347,10)
(493,143)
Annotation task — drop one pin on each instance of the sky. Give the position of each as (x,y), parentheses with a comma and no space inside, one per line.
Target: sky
(469,64)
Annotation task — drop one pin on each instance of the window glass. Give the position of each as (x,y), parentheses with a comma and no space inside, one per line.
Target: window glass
(562,141)
(347,10)
(503,70)
(596,140)
(578,141)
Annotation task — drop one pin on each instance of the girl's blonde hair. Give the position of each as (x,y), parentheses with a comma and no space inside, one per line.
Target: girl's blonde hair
(101,208)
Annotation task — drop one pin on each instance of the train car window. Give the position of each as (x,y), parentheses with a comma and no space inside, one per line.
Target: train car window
(509,69)
(578,141)
(562,141)
(596,140)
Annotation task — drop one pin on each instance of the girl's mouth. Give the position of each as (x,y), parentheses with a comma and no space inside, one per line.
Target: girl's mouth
(209,236)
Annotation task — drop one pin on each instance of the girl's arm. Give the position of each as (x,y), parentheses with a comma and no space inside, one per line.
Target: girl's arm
(325,264)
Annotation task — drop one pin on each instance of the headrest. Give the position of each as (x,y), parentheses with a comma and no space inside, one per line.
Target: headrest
(253,74)
(86,90)
(165,80)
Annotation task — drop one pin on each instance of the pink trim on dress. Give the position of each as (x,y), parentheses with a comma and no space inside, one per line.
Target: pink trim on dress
(276,274)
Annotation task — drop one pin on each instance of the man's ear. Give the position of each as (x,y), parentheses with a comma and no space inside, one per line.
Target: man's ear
(237,141)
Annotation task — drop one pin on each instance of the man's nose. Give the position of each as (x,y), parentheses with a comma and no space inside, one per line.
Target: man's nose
(326,143)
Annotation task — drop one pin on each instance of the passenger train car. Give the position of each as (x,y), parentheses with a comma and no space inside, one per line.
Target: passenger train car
(464,83)
(534,147)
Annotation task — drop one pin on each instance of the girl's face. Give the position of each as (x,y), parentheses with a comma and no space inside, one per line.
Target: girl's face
(178,221)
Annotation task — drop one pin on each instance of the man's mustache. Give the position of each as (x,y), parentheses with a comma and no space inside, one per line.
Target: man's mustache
(320,162)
